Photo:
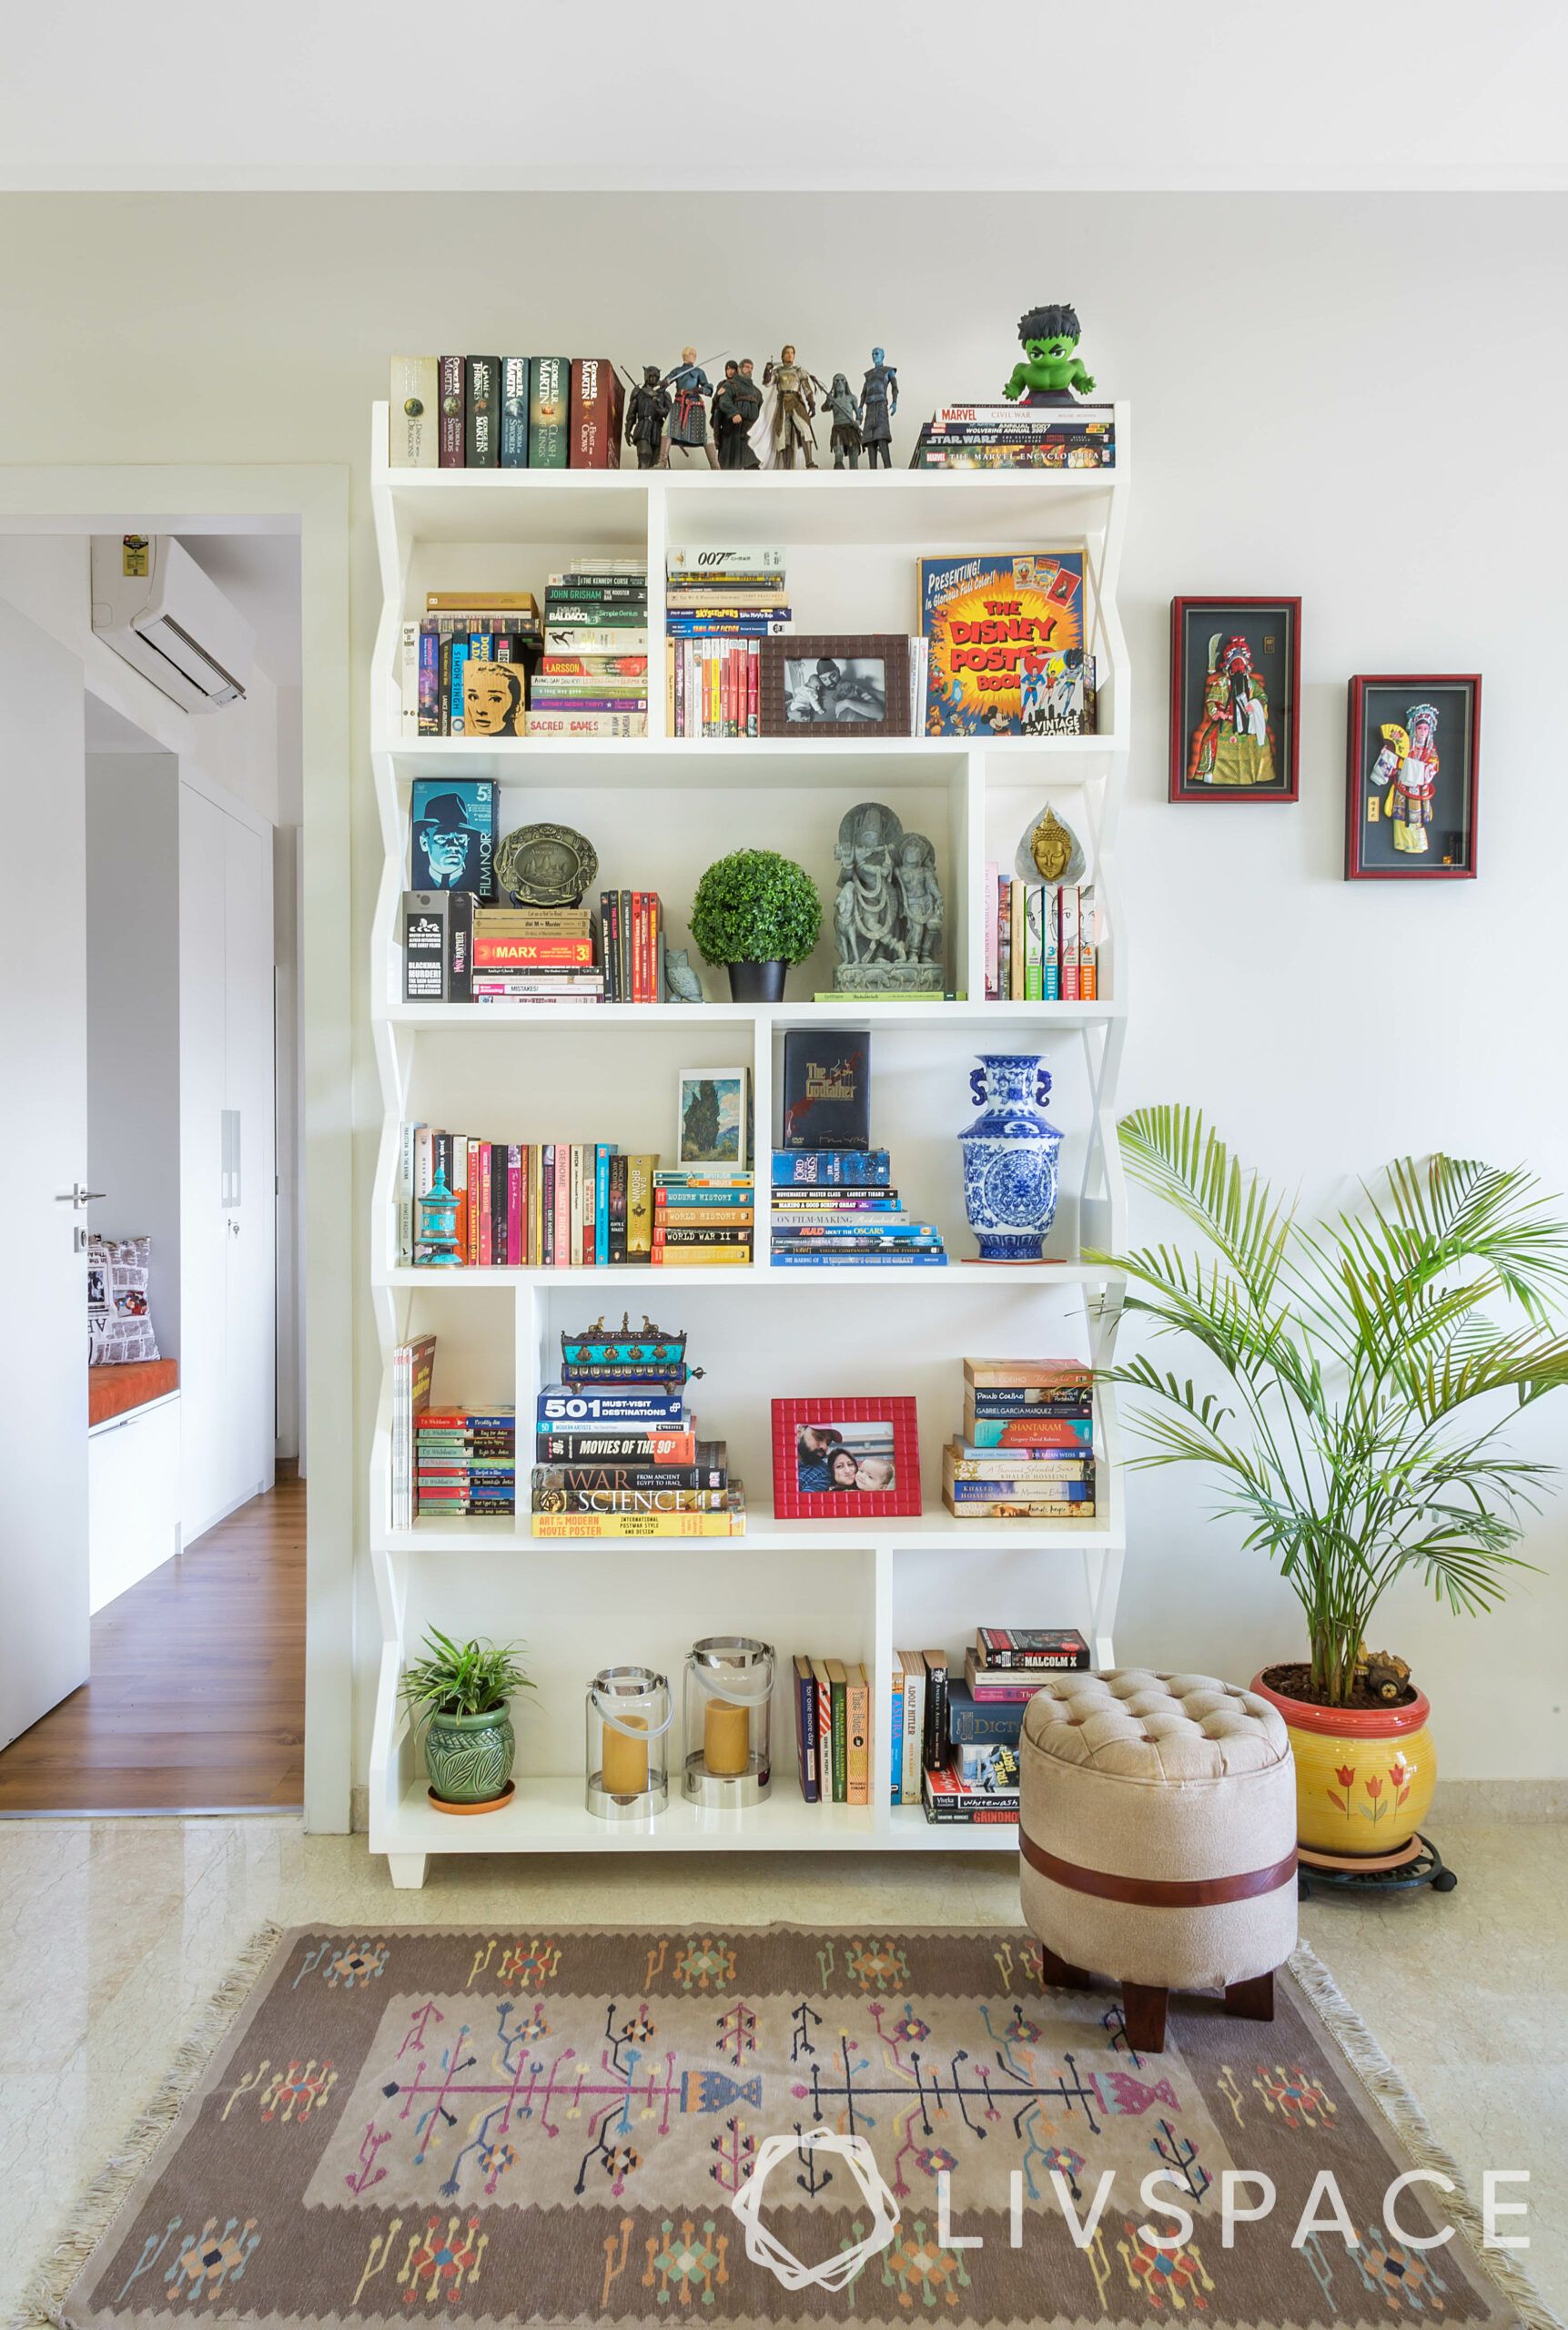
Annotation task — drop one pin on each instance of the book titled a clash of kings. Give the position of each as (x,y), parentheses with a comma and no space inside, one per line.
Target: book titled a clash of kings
(1006,639)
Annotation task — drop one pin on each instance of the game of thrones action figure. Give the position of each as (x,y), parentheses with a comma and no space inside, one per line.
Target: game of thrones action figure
(846,438)
(647,410)
(735,409)
(788,406)
(878,403)
(688,424)
(1050,369)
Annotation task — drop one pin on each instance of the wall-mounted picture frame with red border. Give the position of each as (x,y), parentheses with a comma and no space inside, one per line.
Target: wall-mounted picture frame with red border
(1412,776)
(1235,699)
(847,1460)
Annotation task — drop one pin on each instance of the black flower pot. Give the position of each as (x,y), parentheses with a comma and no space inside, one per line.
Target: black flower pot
(757,982)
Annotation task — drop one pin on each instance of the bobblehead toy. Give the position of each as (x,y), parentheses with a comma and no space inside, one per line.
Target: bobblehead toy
(1050,369)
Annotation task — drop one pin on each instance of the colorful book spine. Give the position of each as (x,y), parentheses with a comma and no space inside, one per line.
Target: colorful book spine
(548,402)
(452,433)
(857,1735)
(806,1733)
(895,1734)
(838,1733)
(482,434)
(1067,924)
(514,412)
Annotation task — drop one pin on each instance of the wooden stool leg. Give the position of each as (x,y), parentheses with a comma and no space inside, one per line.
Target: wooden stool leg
(1143,2016)
(1253,2000)
(1060,1974)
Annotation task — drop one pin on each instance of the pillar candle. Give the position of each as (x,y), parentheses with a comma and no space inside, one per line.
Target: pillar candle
(727,1739)
(626,1760)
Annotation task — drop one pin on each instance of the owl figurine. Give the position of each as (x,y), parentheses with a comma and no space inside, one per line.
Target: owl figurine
(680,979)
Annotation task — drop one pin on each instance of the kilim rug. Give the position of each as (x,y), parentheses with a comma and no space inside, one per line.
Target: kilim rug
(579,2126)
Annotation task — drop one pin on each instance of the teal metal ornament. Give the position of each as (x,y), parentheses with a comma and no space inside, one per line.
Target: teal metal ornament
(438,1226)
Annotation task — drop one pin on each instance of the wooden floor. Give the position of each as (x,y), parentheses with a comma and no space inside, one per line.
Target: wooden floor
(196,1699)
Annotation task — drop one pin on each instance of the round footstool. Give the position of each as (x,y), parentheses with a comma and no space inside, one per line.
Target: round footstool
(1158,1830)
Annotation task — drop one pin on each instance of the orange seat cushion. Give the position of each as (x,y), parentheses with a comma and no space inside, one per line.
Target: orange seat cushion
(114,1391)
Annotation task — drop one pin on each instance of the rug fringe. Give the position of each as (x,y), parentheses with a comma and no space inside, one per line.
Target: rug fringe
(95,2209)
(1400,2108)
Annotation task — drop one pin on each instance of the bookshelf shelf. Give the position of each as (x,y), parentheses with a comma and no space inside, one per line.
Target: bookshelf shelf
(658,808)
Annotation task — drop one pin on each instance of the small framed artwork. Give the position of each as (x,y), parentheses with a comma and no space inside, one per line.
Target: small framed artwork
(1411,777)
(846,1460)
(712,1118)
(834,685)
(1235,699)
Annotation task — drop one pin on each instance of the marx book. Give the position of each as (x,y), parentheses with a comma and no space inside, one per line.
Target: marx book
(415,414)
(993,624)
(548,402)
(482,437)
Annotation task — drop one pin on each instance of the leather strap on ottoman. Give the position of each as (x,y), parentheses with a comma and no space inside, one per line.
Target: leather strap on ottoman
(1160,1893)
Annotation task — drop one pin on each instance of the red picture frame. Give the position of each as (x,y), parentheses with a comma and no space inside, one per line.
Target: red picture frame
(1362,718)
(1285,718)
(880,1432)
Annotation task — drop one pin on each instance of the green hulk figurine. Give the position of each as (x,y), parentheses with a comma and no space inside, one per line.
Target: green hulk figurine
(1050,370)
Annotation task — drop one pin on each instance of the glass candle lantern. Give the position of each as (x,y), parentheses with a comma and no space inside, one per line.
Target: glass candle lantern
(728,1703)
(630,1710)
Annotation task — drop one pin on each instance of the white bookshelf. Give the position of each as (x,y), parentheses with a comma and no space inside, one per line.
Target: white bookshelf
(659,809)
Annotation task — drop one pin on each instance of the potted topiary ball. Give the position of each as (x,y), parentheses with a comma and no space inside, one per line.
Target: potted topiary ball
(461,1690)
(756,913)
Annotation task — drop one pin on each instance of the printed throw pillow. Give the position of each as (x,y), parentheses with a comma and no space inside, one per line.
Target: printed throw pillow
(119,1323)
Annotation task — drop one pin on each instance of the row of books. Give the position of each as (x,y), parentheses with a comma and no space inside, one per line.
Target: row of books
(457,950)
(719,607)
(1042,941)
(956,1744)
(831,1214)
(616,1448)
(593,672)
(1017,436)
(565,1205)
(463,634)
(514,412)
(832,1729)
(1026,1451)
(450,1460)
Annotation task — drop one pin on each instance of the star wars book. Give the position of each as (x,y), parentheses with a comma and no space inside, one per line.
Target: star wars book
(1006,640)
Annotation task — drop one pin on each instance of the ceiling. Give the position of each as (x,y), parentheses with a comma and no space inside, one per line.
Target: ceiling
(1133,95)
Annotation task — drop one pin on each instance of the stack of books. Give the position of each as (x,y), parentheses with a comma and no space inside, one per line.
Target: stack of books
(832,1720)
(703,1214)
(592,676)
(467,1461)
(1027,1448)
(1042,941)
(461,627)
(1017,436)
(537,1205)
(838,1206)
(632,946)
(971,1745)
(617,1453)
(413,1366)
(509,412)
(719,607)
(534,955)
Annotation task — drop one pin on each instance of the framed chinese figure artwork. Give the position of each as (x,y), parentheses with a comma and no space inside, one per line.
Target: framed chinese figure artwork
(846,1460)
(1235,699)
(1411,777)
(829,686)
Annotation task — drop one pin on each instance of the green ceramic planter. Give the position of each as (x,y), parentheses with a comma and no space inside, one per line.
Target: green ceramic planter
(469,1757)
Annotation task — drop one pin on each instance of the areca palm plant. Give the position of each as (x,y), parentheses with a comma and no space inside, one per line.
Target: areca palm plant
(1358,1432)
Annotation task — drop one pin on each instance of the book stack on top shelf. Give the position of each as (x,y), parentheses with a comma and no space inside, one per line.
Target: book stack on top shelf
(1018,436)
(719,607)
(509,412)
(623,1389)
(1027,1452)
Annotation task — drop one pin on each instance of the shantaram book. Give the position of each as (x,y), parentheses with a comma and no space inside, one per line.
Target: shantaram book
(1005,645)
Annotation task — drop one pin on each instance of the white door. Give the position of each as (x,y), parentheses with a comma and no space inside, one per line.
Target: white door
(44,1629)
(249,1085)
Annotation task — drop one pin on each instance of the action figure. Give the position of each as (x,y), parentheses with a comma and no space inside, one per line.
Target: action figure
(1233,743)
(1050,369)
(1408,766)
(845,439)
(878,403)
(784,426)
(647,410)
(735,409)
(688,426)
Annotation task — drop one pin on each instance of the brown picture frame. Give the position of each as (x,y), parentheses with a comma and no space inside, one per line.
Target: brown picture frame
(1374,697)
(889,648)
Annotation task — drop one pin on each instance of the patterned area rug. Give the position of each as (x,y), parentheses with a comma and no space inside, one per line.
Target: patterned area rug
(554,2127)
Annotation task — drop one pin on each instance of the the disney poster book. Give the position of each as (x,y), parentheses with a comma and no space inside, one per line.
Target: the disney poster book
(1005,637)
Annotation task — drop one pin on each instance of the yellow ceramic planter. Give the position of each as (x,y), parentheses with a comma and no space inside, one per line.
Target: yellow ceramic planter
(1364,1776)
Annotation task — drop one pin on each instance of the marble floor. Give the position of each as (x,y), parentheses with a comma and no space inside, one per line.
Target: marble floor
(114,1934)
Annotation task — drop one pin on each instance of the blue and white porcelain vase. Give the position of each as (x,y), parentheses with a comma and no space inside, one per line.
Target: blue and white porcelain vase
(1010,1157)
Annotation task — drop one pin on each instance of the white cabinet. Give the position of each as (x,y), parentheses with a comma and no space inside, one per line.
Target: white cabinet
(133,1497)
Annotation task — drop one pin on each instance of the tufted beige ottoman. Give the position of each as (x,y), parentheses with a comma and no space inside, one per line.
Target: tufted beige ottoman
(1157,1828)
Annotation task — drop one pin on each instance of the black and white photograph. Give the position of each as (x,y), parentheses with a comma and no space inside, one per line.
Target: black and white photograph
(828,688)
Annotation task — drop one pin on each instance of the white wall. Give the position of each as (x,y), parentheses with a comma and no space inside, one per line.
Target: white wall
(133,1013)
(1351,398)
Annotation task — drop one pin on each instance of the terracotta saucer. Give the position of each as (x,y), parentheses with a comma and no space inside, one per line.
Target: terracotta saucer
(491,1804)
(1352,1862)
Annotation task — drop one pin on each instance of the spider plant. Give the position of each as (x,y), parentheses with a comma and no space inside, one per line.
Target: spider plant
(1357,1434)
(462,1678)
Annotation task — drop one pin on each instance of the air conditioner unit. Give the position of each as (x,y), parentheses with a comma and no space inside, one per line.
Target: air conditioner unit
(153,604)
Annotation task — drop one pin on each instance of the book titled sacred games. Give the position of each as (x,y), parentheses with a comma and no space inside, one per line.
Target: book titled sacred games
(1000,628)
